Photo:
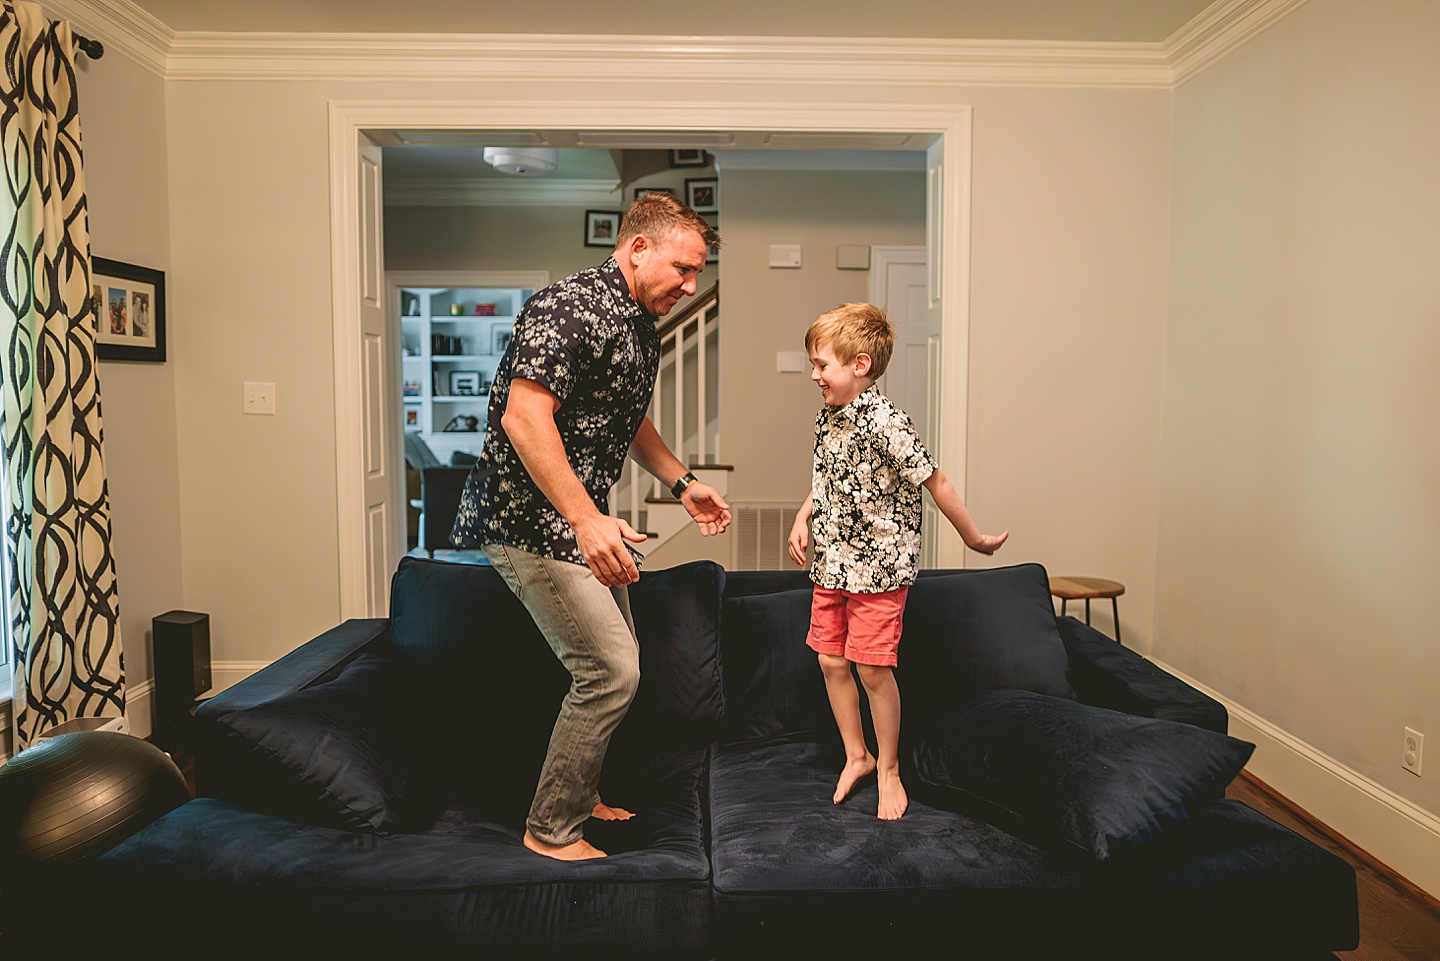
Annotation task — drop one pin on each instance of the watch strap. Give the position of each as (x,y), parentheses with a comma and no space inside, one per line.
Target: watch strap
(678,488)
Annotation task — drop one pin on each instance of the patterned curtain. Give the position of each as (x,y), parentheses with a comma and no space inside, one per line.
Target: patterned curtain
(62,604)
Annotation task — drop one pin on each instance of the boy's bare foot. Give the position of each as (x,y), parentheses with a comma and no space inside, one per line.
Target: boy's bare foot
(893,799)
(604,812)
(581,850)
(855,769)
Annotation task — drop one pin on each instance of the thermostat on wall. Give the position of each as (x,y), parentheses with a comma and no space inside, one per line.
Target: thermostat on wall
(784,255)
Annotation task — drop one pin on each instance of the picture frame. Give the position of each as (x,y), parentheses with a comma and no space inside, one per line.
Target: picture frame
(128,306)
(466,383)
(601,228)
(412,417)
(712,251)
(642,191)
(500,338)
(702,193)
(689,158)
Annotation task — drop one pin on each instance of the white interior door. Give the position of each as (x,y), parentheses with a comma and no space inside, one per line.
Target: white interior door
(900,282)
(384,530)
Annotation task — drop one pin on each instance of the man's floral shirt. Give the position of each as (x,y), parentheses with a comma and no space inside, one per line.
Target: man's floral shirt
(586,341)
(869,465)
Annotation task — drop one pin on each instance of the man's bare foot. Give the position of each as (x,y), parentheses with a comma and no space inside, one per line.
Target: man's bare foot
(581,850)
(855,769)
(604,812)
(893,799)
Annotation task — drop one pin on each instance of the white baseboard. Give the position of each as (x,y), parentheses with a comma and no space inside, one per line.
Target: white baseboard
(1399,834)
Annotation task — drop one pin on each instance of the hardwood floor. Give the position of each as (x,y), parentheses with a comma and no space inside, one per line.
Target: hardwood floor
(1398,922)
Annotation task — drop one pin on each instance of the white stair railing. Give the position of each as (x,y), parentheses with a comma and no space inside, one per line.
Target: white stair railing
(683,408)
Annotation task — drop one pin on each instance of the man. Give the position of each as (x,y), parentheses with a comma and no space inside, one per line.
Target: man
(567,405)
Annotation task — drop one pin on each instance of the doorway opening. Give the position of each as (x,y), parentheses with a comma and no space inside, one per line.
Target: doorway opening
(370,504)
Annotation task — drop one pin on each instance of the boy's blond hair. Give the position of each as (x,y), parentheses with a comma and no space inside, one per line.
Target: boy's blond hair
(854,329)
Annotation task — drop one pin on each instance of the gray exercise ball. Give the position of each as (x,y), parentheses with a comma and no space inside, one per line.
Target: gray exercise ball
(76,795)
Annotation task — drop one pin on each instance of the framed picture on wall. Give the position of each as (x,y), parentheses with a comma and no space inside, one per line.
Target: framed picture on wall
(712,252)
(128,311)
(688,158)
(701,193)
(601,228)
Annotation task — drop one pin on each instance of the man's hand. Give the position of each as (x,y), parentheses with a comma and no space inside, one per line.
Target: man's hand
(601,540)
(707,507)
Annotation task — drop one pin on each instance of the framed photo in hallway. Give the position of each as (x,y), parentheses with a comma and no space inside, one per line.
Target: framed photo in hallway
(127,305)
(700,193)
(601,228)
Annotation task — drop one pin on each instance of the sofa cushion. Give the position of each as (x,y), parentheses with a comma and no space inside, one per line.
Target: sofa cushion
(773,684)
(979,630)
(1103,781)
(331,752)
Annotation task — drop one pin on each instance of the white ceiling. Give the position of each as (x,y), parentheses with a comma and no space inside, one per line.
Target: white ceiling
(1144,21)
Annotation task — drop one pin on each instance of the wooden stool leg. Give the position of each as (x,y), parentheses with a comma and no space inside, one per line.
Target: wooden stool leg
(1087,610)
(1115,606)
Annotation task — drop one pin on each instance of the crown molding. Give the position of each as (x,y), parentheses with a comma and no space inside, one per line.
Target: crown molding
(1219,30)
(510,192)
(196,56)
(121,26)
(745,60)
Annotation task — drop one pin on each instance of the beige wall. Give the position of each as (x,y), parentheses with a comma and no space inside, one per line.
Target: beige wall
(1069,278)
(123,126)
(1300,503)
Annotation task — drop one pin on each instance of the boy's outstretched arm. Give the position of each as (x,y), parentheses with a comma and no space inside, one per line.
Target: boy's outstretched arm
(800,531)
(955,511)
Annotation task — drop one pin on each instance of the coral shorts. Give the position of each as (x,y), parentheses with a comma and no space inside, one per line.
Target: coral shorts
(863,628)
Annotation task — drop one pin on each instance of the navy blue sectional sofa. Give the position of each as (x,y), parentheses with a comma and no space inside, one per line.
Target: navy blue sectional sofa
(366,793)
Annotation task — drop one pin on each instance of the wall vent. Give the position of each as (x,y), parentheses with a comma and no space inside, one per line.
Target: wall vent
(760,534)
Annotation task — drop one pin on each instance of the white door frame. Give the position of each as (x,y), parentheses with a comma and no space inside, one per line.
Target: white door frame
(949,197)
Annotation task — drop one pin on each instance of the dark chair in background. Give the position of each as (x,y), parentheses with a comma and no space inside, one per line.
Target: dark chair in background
(440,487)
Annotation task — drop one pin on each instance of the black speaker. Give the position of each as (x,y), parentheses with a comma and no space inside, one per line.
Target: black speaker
(182,673)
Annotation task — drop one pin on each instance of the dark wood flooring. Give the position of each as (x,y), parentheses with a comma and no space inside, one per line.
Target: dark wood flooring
(1398,921)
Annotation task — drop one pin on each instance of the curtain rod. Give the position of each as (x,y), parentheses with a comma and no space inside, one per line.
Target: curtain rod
(93,49)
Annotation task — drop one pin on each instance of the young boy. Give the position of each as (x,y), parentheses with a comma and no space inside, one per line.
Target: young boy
(865,505)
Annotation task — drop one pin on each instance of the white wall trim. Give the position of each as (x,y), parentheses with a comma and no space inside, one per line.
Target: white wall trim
(1219,30)
(490,192)
(194,55)
(1396,832)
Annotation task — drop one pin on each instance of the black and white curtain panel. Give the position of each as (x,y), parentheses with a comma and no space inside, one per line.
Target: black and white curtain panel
(61,594)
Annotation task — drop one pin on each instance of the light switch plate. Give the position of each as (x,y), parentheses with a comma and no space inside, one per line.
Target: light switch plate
(791,361)
(784,255)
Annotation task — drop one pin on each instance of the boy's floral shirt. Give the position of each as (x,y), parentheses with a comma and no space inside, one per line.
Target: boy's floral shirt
(588,342)
(869,465)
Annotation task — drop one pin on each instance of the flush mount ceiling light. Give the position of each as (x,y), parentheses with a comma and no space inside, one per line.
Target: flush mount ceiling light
(522,160)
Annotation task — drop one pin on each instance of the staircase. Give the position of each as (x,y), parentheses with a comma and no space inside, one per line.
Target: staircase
(685,410)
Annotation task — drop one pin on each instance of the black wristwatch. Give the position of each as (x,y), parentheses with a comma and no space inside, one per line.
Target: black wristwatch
(679,486)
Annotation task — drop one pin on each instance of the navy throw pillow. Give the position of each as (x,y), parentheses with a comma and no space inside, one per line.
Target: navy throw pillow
(773,685)
(1103,781)
(329,754)
(978,630)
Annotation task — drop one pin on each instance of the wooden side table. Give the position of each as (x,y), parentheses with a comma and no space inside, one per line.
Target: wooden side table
(1085,589)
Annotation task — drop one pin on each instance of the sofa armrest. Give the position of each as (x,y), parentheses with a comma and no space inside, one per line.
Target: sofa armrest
(1106,674)
(317,659)
(221,769)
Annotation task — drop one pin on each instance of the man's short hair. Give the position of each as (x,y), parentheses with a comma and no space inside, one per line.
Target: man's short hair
(656,214)
(854,329)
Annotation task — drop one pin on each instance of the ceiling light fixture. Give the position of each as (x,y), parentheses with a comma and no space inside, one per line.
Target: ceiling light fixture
(522,160)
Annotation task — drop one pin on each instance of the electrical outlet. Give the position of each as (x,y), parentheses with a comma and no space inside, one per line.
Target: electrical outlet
(259,398)
(1412,751)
